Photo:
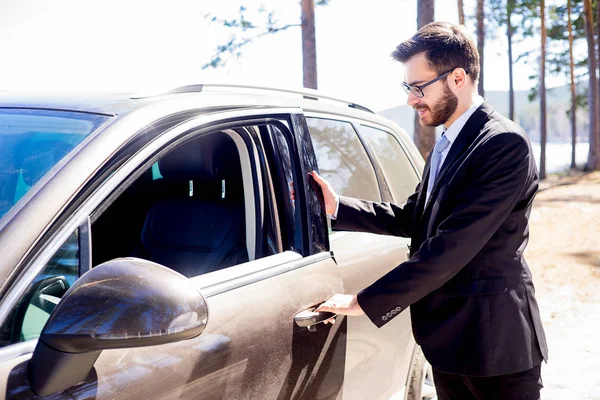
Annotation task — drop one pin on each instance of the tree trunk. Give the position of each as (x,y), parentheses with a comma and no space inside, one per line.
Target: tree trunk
(480,43)
(461,12)
(424,136)
(309,46)
(592,162)
(594,155)
(510,4)
(573,88)
(543,91)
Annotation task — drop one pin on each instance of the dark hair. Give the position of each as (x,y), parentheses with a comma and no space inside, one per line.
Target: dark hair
(445,45)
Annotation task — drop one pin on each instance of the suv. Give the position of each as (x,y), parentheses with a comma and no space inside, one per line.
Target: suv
(151,247)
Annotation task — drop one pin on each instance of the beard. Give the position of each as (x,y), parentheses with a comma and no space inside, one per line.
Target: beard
(442,111)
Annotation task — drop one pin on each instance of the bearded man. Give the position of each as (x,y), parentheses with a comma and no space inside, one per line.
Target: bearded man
(471,294)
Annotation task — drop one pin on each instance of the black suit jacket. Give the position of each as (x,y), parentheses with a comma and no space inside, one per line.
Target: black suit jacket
(470,290)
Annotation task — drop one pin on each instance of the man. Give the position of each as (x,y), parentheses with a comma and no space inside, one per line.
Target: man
(471,294)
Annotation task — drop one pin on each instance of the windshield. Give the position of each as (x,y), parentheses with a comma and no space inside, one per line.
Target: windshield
(32,142)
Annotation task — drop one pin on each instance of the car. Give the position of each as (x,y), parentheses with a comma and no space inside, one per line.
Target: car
(152,246)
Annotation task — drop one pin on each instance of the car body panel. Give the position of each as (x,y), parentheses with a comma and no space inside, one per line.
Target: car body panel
(227,360)
(382,354)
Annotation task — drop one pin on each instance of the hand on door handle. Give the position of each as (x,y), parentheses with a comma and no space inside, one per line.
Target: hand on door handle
(308,318)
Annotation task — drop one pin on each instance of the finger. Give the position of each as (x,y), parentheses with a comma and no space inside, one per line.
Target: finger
(323,308)
(318,178)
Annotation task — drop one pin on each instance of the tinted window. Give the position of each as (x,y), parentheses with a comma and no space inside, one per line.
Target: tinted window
(32,142)
(342,159)
(282,170)
(33,309)
(399,172)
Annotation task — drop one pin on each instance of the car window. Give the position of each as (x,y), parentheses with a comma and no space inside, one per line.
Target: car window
(342,159)
(196,210)
(32,142)
(29,315)
(397,168)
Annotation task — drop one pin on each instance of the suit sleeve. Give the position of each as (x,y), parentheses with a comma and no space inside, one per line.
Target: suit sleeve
(372,217)
(499,176)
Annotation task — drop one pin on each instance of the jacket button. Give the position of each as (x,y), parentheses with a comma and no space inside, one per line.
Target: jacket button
(384,318)
(398,308)
(394,312)
(389,315)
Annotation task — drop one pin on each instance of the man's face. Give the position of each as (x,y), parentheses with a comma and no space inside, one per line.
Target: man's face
(438,103)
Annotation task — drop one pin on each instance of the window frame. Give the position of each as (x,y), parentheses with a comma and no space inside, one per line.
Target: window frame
(395,135)
(402,147)
(42,257)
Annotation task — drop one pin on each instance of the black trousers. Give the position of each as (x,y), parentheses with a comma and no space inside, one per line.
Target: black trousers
(524,385)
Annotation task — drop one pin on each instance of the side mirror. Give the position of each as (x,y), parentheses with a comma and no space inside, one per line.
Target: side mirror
(122,303)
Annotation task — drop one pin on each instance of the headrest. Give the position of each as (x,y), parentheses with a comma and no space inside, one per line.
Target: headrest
(213,157)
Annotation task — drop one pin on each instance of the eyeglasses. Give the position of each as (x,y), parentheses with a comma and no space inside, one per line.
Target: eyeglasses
(417,91)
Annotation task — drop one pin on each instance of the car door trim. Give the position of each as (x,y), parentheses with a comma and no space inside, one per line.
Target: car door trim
(16,350)
(289,261)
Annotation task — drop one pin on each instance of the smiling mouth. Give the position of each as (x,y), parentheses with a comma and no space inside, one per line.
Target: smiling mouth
(421,111)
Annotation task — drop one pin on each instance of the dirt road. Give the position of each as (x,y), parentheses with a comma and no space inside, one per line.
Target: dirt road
(564,256)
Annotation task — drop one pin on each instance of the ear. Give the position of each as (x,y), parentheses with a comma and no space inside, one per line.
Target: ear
(458,78)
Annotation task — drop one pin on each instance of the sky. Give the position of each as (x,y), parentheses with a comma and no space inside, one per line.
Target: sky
(122,45)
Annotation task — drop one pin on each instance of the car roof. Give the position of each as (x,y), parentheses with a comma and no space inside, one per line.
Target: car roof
(113,104)
(104,103)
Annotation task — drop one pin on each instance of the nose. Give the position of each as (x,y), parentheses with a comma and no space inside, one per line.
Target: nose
(412,100)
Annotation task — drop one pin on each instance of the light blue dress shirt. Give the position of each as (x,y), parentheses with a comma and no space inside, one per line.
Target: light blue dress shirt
(453,130)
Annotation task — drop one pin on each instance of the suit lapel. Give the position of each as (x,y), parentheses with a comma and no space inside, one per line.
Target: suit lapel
(466,136)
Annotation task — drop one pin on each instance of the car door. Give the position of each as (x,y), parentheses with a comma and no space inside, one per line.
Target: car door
(378,361)
(252,346)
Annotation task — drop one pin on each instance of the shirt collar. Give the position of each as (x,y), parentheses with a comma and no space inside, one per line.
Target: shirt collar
(453,130)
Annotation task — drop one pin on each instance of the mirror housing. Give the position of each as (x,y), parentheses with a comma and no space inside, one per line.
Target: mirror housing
(122,303)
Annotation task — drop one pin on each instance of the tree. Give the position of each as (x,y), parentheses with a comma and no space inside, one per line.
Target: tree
(543,90)
(424,136)
(270,26)
(566,27)
(594,154)
(480,42)
(309,44)
(573,87)
(518,16)
(461,12)
(510,6)
(592,162)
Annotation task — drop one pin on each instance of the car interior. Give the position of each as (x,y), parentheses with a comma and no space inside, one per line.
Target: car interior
(193,211)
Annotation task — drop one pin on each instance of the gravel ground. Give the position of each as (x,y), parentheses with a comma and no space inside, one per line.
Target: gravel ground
(564,256)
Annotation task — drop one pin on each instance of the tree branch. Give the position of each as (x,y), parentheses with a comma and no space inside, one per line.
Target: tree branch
(234,46)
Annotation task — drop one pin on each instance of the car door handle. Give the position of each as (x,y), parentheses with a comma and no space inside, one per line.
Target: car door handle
(308,318)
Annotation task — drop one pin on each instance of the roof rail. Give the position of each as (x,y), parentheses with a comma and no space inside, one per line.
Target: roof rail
(309,94)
